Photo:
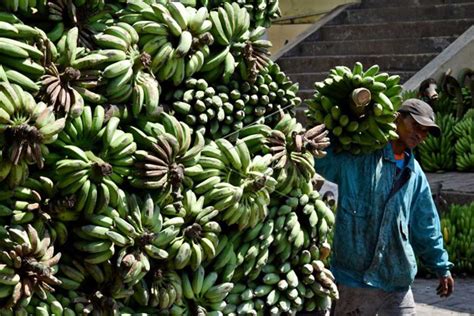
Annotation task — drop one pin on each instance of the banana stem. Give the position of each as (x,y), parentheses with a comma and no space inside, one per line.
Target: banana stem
(361,96)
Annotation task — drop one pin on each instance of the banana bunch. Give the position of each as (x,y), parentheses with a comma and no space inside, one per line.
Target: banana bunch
(202,294)
(135,234)
(21,57)
(280,289)
(206,159)
(315,140)
(49,306)
(318,282)
(35,202)
(286,288)
(127,76)
(90,284)
(139,235)
(252,251)
(160,289)
(230,29)
(358,107)
(242,300)
(301,220)
(27,128)
(255,55)
(21,53)
(90,17)
(255,137)
(289,235)
(93,238)
(292,163)
(225,261)
(438,153)
(241,49)
(73,75)
(197,236)
(167,160)
(235,184)
(27,265)
(458,237)
(94,172)
(24,6)
(175,36)
(269,93)
(261,12)
(464,149)
(212,110)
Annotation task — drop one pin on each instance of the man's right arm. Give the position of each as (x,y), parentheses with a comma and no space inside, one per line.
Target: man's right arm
(328,167)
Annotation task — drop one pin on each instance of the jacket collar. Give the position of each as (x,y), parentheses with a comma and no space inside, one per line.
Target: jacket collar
(390,156)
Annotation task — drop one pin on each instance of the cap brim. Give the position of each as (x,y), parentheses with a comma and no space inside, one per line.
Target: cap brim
(424,121)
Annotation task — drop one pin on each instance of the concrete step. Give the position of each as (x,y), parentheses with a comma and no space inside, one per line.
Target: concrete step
(406,62)
(410,13)
(370,46)
(307,79)
(391,30)
(305,94)
(405,3)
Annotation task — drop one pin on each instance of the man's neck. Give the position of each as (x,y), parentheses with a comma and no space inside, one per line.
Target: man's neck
(398,147)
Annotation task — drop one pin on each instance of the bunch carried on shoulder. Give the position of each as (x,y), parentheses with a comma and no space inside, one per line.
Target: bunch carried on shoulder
(358,107)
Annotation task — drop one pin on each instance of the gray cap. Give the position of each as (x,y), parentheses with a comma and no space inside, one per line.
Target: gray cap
(422,113)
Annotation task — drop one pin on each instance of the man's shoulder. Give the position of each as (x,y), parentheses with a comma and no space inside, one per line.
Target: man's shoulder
(417,169)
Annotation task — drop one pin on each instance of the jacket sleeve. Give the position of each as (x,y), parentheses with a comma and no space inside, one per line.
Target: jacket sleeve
(327,166)
(425,231)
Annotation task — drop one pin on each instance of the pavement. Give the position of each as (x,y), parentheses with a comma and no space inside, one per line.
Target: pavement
(461,302)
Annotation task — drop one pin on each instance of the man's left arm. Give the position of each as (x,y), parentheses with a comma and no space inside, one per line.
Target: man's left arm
(426,237)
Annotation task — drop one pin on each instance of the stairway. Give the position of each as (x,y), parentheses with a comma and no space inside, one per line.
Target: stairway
(400,36)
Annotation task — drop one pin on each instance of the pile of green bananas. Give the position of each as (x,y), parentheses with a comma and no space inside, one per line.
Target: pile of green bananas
(464,131)
(456,225)
(358,107)
(117,201)
(438,153)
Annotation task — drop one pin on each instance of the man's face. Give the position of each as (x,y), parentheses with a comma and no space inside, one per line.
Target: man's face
(411,133)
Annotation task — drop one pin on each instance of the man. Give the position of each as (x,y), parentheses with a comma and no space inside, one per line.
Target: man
(385,216)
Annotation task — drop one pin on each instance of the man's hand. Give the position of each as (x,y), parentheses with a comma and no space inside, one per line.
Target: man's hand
(446,286)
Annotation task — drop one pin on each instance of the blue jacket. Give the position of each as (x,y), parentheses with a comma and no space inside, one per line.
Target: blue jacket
(377,233)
